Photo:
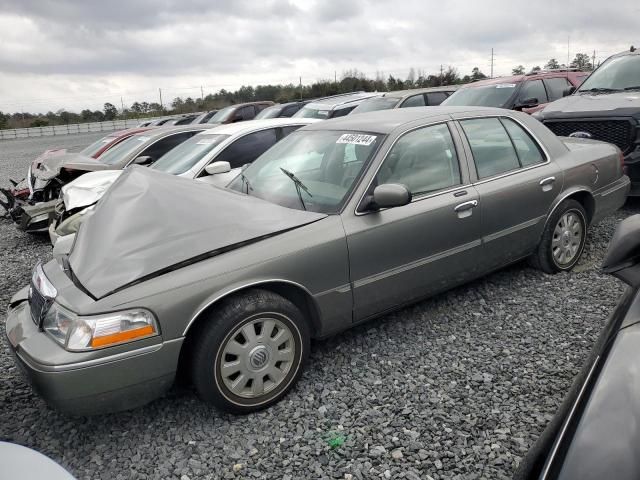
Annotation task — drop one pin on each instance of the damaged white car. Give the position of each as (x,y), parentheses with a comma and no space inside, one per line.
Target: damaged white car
(214,156)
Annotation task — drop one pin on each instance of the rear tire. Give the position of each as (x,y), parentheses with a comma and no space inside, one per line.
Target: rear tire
(563,239)
(250,351)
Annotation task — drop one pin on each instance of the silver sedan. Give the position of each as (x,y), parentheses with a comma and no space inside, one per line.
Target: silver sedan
(338,223)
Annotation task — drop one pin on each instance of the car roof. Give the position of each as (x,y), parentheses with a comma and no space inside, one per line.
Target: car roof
(129,132)
(339,100)
(527,76)
(161,131)
(626,53)
(385,121)
(251,125)
(414,91)
(245,104)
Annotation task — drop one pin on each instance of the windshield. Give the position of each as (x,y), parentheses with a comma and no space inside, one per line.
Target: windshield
(123,149)
(309,170)
(181,158)
(95,147)
(378,103)
(615,74)
(313,112)
(485,96)
(222,116)
(270,112)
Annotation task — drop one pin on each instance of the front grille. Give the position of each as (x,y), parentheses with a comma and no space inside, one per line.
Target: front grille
(37,303)
(620,132)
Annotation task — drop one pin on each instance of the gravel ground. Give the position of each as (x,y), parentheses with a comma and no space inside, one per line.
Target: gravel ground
(456,387)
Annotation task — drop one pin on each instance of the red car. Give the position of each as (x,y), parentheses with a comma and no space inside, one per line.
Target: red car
(529,93)
(20,190)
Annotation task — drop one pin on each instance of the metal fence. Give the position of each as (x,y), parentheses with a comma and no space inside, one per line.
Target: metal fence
(108,126)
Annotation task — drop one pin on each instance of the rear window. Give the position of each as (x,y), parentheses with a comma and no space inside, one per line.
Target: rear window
(95,147)
(483,96)
(313,112)
(377,103)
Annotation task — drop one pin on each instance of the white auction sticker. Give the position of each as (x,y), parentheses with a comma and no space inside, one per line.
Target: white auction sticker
(506,85)
(208,141)
(357,139)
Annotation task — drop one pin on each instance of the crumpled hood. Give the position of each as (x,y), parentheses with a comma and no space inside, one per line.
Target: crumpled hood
(88,188)
(598,105)
(48,167)
(149,222)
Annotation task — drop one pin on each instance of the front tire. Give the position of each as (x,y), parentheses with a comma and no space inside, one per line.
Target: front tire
(250,352)
(563,239)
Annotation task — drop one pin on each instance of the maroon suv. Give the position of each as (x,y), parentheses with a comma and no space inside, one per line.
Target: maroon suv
(529,93)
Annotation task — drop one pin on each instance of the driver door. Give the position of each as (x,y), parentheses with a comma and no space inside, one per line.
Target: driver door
(401,254)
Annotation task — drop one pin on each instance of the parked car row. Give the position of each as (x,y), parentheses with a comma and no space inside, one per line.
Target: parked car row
(246,238)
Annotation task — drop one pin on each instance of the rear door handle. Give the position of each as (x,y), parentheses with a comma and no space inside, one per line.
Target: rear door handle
(547,183)
(465,209)
(466,206)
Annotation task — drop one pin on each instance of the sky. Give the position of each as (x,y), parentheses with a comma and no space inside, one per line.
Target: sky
(75,54)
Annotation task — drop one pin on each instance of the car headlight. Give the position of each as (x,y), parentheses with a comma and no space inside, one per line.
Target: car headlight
(72,224)
(80,333)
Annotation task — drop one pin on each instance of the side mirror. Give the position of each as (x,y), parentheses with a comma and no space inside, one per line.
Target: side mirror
(217,167)
(623,255)
(528,103)
(568,91)
(143,160)
(389,195)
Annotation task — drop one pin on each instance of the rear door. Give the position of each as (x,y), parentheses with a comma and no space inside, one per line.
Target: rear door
(400,254)
(517,183)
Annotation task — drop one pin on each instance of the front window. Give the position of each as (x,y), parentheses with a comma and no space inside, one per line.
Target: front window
(123,149)
(377,103)
(223,115)
(95,147)
(618,73)
(486,96)
(187,154)
(310,170)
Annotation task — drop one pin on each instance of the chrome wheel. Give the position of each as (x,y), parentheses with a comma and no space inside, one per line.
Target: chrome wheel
(256,357)
(566,243)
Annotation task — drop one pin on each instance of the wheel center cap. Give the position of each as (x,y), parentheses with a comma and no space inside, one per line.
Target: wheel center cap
(566,238)
(258,357)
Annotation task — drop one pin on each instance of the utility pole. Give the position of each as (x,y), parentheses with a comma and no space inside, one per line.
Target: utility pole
(161,105)
(335,77)
(300,88)
(201,93)
(492,57)
(440,74)
(122,105)
(593,63)
(568,50)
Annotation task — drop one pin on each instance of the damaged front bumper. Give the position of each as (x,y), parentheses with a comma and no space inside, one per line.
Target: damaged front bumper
(87,383)
(34,218)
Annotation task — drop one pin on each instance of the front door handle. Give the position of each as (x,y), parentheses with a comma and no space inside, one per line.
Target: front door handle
(547,183)
(465,209)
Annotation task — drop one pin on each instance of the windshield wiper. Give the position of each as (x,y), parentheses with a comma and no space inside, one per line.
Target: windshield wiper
(299,186)
(601,90)
(637,87)
(245,181)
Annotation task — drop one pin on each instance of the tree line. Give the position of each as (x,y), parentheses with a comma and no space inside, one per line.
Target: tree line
(350,81)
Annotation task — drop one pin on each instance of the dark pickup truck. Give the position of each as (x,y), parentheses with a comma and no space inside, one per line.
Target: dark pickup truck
(605,107)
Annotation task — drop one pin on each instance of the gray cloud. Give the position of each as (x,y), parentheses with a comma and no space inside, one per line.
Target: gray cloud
(58,48)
